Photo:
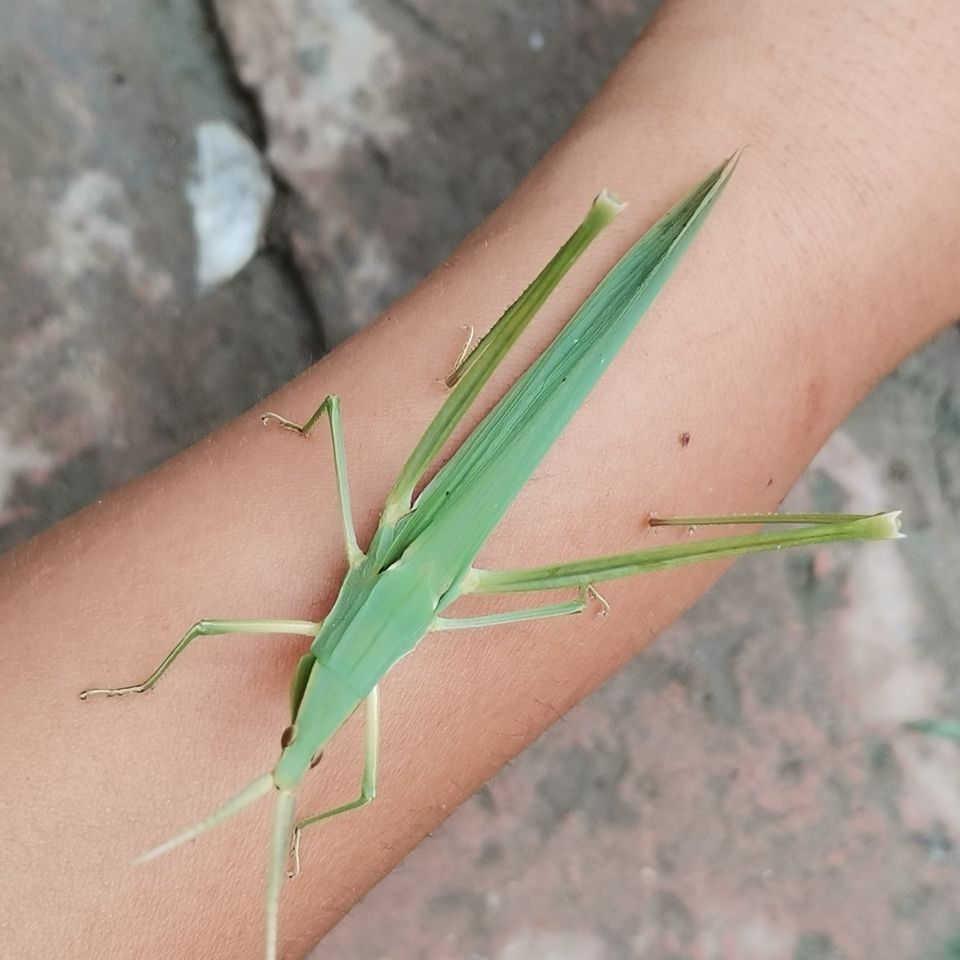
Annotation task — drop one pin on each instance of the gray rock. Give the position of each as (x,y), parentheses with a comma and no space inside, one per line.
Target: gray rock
(109,359)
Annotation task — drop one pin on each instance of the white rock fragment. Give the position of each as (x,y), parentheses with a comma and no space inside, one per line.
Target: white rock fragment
(231,193)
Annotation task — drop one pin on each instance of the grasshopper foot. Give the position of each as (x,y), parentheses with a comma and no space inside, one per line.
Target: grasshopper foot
(293,870)
(604,606)
(285,423)
(111,691)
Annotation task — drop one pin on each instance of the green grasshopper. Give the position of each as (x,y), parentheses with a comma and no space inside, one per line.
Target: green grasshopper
(421,557)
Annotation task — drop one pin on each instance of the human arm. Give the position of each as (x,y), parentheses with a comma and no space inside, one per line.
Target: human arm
(830,258)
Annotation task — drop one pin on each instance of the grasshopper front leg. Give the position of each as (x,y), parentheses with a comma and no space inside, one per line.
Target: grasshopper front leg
(368,781)
(207,628)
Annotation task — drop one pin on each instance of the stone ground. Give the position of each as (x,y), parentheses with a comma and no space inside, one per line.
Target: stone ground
(746,788)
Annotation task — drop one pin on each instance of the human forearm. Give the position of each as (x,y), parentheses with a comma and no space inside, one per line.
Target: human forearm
(830,257)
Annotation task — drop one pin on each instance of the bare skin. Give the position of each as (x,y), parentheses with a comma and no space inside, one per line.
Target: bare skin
(832,256)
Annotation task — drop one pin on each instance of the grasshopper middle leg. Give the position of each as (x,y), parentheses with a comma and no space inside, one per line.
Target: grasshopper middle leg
(330,407)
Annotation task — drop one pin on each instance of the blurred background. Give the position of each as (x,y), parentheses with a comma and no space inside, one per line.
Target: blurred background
(199,197)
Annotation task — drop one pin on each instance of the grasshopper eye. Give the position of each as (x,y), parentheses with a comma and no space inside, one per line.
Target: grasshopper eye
(288,736)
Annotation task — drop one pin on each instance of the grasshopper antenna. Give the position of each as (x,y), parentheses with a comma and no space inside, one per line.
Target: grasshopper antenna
(249,794)
(279,851)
